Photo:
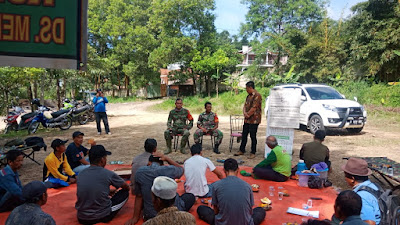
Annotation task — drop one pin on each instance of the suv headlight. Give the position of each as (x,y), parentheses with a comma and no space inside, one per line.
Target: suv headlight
(329,107)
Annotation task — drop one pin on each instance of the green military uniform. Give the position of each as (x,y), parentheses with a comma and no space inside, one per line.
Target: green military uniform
(177,124)
(208,121)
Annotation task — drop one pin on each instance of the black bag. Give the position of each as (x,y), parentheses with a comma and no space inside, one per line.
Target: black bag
(37,142)
(314,182)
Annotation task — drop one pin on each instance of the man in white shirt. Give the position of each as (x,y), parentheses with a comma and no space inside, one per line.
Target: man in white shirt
(195,173)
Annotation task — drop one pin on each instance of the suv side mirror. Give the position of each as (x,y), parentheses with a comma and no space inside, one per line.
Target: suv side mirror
(303,98)
(343,95)
(355,99)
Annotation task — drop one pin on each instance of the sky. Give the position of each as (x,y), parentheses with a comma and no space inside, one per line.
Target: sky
(231,13)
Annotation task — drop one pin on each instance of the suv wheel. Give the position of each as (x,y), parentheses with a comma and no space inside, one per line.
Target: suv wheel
(315,124)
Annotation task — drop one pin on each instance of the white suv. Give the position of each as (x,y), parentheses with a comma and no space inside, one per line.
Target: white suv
(323,107)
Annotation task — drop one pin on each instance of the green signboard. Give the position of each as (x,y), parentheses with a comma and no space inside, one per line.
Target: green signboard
(43,33)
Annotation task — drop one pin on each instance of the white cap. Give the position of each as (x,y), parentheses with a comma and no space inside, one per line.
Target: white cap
(301,161)
(164,187)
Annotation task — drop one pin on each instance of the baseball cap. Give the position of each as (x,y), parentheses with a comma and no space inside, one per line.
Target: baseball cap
(164,187)
(97,151)
(357,166)
(57,142)
(33,190)
(77,133)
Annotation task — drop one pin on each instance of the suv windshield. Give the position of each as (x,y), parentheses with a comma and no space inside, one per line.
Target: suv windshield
(322,93)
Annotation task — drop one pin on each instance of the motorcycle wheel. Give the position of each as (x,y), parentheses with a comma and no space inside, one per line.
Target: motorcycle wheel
(33,127)
(83,119)
(92,116)
(67,123)
(10,128)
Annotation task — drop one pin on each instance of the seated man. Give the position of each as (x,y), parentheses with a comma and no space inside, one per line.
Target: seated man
(276,166)
(208,124)
(348,208)
(195,173)
(315,152)
(356,174)
(164,193)
(94,204)
(232,201)
(10,185)
(76,153)
(55,165)
(150,146)
(35,195)
(144,178)
(177,125)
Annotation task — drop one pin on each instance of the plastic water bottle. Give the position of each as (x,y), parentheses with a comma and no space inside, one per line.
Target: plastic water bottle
(301,166)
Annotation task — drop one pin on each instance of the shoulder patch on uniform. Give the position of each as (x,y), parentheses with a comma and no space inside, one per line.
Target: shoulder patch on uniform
(3,173)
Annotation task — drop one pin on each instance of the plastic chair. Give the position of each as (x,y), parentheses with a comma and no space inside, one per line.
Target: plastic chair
(236,123)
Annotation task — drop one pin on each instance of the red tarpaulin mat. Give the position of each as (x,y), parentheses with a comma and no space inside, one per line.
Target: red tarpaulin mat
(61,202)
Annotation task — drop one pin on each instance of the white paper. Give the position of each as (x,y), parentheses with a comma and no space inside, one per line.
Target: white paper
(302,212)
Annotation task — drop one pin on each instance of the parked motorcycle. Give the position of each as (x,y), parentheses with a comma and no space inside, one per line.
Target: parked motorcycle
(80,113)
(12,120)
(60,119)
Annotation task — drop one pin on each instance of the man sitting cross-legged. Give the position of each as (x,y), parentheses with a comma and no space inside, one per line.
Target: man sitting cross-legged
(94,203)
(10,184)
(232,201)
(150,146)
(76,153)
(144,178)
(208,124)
(164,194)
(276,166)
(56,169)
(195,173)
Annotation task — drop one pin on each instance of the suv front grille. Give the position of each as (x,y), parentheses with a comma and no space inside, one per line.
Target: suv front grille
(354,112)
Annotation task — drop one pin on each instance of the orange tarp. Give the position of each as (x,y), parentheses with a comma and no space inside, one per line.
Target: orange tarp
(61,202)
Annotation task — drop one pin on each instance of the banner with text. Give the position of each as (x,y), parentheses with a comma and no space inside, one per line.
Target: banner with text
(43,33)
(283,116)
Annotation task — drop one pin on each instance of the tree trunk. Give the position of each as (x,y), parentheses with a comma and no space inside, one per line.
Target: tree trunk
(58,93)
(30,94)
(64,87)
(208,86)
(41,83)
(217,81)
(119,83)
(35,88)
(127,85)
(6,101)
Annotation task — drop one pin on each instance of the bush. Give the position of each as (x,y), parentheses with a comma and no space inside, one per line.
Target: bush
(376,94)
(121,99)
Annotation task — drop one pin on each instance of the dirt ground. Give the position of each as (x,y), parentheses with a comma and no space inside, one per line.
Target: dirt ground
(132,123)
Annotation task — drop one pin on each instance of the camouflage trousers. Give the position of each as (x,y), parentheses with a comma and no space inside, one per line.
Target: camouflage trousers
(216,133)
(168,135)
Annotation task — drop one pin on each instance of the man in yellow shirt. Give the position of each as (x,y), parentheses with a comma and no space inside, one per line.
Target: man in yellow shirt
(56,170)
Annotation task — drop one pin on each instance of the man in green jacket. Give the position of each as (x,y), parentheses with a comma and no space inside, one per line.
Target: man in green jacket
(180,121)
(277,166)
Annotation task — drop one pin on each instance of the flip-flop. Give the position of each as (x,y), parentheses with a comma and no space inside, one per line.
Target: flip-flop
(244,173)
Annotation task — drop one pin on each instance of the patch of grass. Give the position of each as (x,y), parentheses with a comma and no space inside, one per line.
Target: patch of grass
(24,133)
(226,104)
(122,99)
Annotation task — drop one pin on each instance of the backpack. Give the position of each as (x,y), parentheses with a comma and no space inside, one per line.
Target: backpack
(37,142)
(389,205)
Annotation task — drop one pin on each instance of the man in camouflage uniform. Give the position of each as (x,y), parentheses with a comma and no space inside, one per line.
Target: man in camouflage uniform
(208,124)
(177,124)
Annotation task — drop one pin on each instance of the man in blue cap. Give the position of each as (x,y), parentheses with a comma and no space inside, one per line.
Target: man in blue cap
(35,195)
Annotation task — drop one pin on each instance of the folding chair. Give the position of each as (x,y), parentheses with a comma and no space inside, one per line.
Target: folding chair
(236,123)
(176,141)
(212,139)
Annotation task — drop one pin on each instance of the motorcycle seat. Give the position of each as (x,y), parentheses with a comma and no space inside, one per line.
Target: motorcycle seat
(58,113)
(27,116)
(79,110)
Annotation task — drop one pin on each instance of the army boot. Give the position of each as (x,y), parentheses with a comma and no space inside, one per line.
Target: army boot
(216,151)
(169,144)
(183,146)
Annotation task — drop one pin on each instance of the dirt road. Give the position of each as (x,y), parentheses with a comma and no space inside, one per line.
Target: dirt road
(132,123)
